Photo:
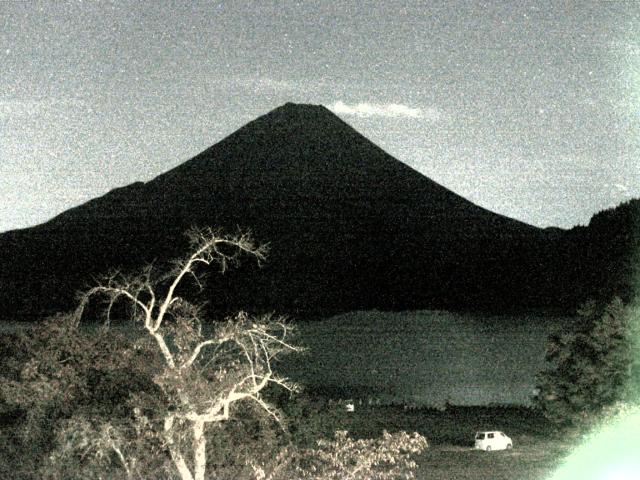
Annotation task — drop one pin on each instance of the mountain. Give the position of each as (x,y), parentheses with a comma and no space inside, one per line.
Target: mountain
(349,227)
(602,259)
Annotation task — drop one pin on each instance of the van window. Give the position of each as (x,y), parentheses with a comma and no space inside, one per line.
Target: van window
(479,436)
(490,435)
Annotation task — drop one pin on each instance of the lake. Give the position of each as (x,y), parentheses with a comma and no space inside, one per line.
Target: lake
(424,358)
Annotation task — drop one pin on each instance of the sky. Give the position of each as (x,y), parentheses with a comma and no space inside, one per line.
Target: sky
(529,109)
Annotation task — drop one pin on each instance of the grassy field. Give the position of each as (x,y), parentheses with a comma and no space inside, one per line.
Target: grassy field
(534,461)
(450,456)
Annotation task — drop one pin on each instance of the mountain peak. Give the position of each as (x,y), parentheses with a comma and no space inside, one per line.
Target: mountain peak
(296,113)
(351,227)
(297,107)
(300,106)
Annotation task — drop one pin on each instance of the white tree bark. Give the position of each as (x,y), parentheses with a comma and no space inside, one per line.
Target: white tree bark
(199,450)
(176,456)
(257,346)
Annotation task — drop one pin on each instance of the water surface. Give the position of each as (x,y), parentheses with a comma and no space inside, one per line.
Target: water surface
(425,357)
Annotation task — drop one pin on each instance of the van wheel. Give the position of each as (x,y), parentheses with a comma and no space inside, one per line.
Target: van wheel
(509,446)
(488,449)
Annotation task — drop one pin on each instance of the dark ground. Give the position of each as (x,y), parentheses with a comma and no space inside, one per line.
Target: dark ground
(450,456)
(536,453)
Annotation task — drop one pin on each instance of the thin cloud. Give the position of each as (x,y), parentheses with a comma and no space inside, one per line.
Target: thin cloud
(622,189)
(392,110)
(625,47)
(276,84)
(20,107)
(251,82)
(26,107)
(618,189)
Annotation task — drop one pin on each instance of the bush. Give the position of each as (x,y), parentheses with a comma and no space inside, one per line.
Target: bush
(590,368)
(389,457)
(65,377)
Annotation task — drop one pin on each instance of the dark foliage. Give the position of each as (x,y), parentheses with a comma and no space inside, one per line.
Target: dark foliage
(591,368)
(59,375)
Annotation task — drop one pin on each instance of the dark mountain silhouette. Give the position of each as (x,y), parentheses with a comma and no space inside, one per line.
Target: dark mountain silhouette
(602,259)
(349,227)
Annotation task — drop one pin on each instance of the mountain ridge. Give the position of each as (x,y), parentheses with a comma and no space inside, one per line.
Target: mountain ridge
(351,227)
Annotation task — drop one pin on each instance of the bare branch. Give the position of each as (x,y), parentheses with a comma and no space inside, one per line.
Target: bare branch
(201,377)
(114,293)
(198,349)
(206,243)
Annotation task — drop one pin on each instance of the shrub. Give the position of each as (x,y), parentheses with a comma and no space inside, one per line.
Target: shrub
(389,457)
(590,368)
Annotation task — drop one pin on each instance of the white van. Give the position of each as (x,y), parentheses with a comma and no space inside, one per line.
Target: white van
(495,440)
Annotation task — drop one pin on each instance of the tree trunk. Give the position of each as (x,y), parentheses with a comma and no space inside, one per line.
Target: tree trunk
(181,465)
(176,456)
(199,450)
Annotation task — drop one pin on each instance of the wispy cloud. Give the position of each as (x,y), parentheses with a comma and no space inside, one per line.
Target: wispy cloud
(275,83)
(250,82)
(618,189)
(625,47)
(395,110)
(19,107)
(25,107)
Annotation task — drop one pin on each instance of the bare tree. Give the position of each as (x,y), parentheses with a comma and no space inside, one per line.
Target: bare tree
(201,376)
